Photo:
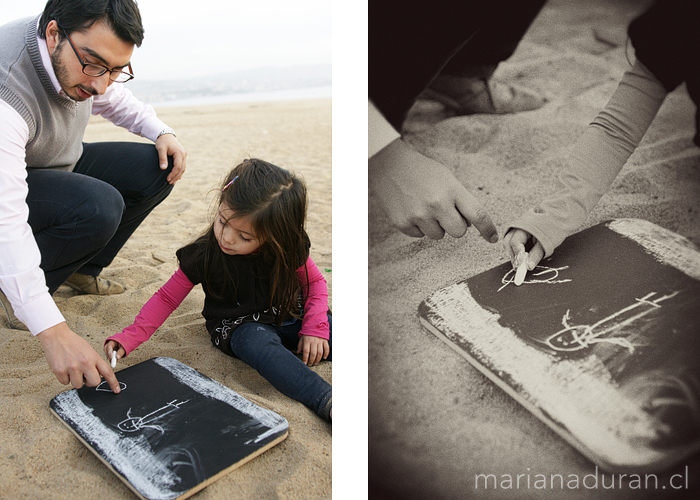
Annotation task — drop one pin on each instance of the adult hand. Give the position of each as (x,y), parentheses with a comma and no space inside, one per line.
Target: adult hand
(421,197)
(514,243)
(73,360)
(168,145)
(313,349)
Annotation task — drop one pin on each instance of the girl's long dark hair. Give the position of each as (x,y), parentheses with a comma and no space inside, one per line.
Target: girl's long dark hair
(274,200)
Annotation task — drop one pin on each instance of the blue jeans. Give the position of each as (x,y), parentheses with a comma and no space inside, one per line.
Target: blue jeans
(81,219)
(270,350)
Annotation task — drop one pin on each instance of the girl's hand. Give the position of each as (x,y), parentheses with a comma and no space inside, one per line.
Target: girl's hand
(313,349)
(114,346)
(514,244)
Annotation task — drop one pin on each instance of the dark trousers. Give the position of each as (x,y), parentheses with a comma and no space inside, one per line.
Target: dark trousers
(411,41)
(81,219)
(270,350)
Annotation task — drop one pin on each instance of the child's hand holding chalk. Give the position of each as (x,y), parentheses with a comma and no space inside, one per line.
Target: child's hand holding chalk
(524,252)
(520,268)
(114,352)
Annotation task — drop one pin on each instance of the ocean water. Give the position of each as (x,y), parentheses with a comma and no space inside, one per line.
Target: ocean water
(274,95)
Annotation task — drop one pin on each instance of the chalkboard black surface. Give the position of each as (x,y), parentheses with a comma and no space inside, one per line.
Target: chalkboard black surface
(600,342)
(171,431)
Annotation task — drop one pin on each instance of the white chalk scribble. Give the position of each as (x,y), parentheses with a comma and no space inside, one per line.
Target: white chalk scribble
(576,337)
(104,386)
(536,276)
(133,424)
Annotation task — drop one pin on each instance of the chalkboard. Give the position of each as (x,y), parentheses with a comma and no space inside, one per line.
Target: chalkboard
(171,431)
(600,342)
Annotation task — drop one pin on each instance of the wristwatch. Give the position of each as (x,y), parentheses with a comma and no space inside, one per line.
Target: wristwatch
(166,130)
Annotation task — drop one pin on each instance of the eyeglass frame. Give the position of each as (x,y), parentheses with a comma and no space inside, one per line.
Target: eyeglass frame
(105,68)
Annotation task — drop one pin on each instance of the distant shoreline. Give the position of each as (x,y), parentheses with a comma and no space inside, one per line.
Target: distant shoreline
(273,95)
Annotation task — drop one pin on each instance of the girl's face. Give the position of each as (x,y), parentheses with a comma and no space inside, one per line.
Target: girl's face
(234,235)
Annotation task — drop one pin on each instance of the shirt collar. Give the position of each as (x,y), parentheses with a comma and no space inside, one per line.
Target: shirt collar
(46,61)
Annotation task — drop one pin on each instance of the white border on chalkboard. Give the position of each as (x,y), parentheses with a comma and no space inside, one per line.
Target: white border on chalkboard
(131,458)
(595,418)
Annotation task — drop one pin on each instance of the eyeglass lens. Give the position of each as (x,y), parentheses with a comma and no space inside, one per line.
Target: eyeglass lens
(115,76)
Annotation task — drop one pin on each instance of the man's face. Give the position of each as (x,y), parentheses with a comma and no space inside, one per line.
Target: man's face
(97,45)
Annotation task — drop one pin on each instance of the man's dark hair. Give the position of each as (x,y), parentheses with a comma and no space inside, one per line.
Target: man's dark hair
(121,16)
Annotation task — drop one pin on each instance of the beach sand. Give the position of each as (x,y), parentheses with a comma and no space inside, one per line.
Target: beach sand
(434,421)
(39,457)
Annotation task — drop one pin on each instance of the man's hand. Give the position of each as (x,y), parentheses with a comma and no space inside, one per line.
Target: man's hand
(168,145)
(421,196)
(313,349)
(73,360)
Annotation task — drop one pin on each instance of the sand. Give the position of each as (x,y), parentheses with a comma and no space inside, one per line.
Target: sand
(434,421)
(39,457)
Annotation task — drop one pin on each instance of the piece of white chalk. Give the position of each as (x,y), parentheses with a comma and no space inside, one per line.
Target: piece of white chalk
(114,359)
(521,271)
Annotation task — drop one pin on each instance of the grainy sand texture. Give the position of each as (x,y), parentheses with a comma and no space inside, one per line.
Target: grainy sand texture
(39,457)
(435,422)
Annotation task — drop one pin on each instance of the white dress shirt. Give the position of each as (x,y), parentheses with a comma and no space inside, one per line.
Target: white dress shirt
(21,278)
(381,133)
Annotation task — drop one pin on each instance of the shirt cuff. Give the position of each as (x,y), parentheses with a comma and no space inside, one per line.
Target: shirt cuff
(40,314)
(152,128)
(381,133)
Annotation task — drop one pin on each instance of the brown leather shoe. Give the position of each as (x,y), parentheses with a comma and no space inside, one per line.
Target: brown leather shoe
(12,320)
(473,95)
(93,285)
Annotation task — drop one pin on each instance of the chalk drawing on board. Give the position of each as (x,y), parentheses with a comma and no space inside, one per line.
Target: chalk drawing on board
(104,386)
(180,458)
(664,393)
(577,337)
(608,360)
(182,430)
(133,424)
(536,277)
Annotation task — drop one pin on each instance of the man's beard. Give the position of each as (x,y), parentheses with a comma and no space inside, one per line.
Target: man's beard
(62,73)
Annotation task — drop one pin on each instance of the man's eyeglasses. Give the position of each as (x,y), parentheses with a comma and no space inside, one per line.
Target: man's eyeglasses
(115,75)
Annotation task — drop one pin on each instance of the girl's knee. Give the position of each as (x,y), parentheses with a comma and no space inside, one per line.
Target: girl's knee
(251,341)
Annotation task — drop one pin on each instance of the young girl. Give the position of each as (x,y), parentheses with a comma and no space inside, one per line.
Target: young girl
(263,293)
(667,47)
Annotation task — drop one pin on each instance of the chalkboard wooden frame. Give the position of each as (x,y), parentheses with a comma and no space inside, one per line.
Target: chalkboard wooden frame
(600,342)
(171,431)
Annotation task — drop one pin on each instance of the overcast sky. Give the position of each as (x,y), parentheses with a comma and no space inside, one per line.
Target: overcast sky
(214,36)
(210,36)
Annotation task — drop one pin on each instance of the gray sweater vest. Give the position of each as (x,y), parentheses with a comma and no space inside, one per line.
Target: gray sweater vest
(56,123)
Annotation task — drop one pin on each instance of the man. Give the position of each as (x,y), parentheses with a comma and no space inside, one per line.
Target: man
(67,208)
(443,50)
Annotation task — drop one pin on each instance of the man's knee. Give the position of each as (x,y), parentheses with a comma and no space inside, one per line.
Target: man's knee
(102,213)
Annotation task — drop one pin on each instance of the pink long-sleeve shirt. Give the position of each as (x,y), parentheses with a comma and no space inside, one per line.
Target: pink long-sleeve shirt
(154,313)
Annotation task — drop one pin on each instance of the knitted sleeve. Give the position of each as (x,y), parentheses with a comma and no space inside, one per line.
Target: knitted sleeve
(597,158)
